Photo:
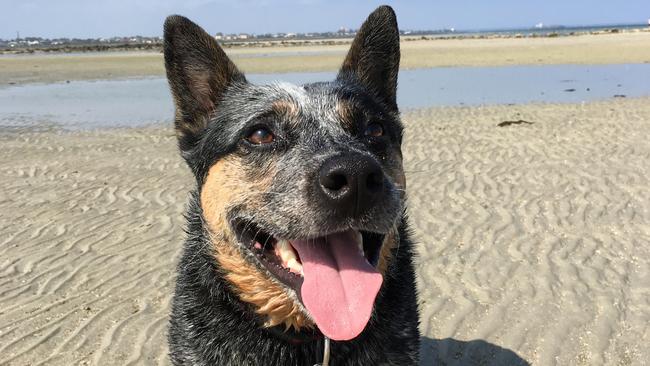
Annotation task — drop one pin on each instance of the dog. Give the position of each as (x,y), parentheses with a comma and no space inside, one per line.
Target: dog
(297,236)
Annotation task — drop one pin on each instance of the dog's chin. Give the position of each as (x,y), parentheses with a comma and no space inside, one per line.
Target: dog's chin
(281,260)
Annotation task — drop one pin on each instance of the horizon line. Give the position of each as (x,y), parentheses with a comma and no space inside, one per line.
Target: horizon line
(421,31)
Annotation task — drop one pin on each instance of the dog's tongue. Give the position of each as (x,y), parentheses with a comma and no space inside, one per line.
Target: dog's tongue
(339,286)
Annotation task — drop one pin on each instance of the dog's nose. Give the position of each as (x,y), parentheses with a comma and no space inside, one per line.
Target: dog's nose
(351,183)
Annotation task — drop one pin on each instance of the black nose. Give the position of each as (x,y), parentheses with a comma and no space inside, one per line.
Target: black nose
(351,183)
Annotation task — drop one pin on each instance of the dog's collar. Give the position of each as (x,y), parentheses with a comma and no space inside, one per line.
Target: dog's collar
(295,337)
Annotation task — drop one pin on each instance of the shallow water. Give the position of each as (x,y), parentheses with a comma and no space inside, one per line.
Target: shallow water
(136,102)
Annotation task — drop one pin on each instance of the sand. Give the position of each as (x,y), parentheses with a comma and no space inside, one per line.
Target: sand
(632,47)
(534,239)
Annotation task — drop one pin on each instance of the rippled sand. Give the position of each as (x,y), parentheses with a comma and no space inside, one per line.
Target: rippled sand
(534,238)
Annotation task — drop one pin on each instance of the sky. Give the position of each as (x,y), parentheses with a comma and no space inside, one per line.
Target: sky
(107,18)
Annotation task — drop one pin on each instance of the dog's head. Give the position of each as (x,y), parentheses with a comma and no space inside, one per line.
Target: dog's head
(301,187)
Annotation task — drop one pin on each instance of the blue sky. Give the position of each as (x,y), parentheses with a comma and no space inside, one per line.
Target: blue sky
(104,18)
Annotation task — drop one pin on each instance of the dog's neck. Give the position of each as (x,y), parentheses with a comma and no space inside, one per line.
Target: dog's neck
(295,337)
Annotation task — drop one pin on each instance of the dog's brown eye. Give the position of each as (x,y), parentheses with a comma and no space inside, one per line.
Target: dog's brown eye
(260,136)
(374,130)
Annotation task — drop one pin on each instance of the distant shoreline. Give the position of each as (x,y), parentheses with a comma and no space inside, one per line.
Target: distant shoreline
(267,43)
(606,48)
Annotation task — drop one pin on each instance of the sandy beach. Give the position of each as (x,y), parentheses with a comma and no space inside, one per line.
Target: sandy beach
(534,238)
(533,220)
(633,47)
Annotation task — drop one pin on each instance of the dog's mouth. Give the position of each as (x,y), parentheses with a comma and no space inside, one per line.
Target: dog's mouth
(334,275)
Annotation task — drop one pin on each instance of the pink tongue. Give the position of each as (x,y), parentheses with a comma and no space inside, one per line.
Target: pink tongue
(340,286)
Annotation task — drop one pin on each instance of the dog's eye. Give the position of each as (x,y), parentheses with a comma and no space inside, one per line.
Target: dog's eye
(260,136)
(374,130)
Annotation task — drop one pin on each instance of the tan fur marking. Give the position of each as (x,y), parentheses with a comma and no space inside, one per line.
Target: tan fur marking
(269,299)
(285,108)
(386,251)
(345,111)
(225,186)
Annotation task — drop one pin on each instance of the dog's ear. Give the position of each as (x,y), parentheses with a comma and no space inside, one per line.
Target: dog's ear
(198,72)
(374,56)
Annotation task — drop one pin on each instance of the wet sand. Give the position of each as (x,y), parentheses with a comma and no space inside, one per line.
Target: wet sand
(629,47)
(534,239)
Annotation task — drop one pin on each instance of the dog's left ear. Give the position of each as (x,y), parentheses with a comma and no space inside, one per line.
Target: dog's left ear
(374,56)
(199,72)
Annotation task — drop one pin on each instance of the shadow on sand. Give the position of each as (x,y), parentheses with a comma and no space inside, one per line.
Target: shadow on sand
(451,352)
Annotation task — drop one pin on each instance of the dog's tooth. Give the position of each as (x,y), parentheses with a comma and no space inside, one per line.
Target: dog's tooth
(294,265)
(288,256)
(285,250)
(281,243)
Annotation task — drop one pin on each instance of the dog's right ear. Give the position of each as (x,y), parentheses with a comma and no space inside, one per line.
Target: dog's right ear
(198,72)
